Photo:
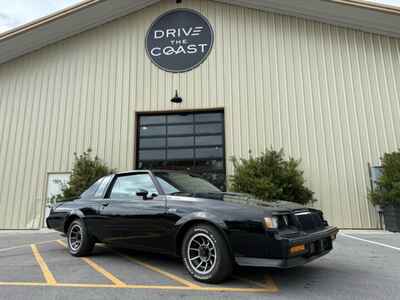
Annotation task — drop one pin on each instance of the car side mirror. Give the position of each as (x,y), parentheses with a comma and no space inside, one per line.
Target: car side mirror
(143,194)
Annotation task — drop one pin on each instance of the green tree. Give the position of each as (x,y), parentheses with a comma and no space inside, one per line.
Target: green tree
(270,177)
(388,185)
(86,170)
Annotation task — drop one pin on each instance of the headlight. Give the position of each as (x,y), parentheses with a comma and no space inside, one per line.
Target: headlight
(278,222)
(271,222)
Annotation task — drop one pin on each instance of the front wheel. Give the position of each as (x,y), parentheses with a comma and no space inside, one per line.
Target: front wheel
(206,255)
(80,243)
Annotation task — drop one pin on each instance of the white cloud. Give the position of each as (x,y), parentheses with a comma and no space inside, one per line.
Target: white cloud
(18,12)
(388,2)
(7,22)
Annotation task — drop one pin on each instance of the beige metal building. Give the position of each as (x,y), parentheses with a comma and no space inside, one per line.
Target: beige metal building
(319,78)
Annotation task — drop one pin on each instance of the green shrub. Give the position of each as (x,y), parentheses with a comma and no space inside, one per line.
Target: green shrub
(388,185)
(270,177)
(85,172)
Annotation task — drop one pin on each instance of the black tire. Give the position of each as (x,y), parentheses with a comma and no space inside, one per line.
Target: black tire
(220,268)
(86,243)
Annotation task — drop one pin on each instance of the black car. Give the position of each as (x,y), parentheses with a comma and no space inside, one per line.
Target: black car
(183,215)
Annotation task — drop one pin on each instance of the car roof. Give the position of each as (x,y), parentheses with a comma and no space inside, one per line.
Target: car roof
(150,171)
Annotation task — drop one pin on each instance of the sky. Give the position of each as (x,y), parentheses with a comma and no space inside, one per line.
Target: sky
(14,13)
(388,2)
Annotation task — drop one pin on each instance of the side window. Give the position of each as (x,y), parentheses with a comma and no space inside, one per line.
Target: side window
(89,193)
(126,187)
(102,187)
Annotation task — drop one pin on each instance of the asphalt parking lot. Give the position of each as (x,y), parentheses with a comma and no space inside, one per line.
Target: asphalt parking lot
(36,265)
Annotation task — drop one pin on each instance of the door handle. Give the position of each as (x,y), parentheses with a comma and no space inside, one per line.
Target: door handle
(105,204)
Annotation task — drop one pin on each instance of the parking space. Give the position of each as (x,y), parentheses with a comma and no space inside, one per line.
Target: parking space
(37,266)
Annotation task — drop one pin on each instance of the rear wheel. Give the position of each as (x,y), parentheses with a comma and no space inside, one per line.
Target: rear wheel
(80,243)
(206,255)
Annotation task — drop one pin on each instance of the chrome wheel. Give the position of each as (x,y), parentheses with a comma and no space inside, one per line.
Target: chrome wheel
(75,237)
(201,253)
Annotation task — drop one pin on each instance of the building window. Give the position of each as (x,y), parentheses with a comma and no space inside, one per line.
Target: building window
(192,141)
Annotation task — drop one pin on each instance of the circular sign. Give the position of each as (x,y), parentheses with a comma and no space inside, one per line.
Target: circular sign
(179,40)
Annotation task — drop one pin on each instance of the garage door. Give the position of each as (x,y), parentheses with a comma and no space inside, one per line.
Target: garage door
(192,141)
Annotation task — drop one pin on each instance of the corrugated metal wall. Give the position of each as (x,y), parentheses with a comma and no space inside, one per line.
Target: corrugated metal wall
(328,95)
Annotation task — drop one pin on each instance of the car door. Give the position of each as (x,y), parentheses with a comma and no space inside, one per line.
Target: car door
(133,221)
(92,198)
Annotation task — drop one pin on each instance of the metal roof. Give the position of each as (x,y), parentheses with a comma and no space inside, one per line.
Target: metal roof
(88,14)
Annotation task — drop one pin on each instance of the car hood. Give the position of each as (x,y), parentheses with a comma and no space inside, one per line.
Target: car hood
(235,204)
(248,200)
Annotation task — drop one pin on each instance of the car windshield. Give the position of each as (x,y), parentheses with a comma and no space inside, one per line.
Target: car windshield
(182,183)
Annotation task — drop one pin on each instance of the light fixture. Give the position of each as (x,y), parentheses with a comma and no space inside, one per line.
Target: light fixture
(176,99)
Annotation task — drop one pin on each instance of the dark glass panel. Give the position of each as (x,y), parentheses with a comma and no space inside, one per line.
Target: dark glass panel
(151,164)
(180,165)
(209,140)
(181,118)
(152,143)
(209,117)
(180,154)
(145,120)
(152,130)
(214,152)
(180,129)
(180,141)
(152,154)
(209,164)
(209,128)
(209,136)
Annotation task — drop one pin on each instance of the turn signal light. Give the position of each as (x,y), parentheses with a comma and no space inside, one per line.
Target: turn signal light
(297,249)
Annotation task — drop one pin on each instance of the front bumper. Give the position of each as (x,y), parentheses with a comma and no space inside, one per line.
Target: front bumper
(317,244)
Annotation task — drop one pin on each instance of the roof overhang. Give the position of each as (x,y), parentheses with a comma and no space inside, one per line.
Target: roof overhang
(357,14)
(63,24)
(91,13)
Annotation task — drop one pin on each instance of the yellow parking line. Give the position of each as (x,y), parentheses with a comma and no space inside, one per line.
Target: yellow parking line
(157,287)
(25,284)
(268,283)
(139,286)
(100,269)
(26,245)
(158,270)
(43,266)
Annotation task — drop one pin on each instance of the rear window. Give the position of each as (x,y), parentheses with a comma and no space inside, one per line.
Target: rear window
(97,189)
